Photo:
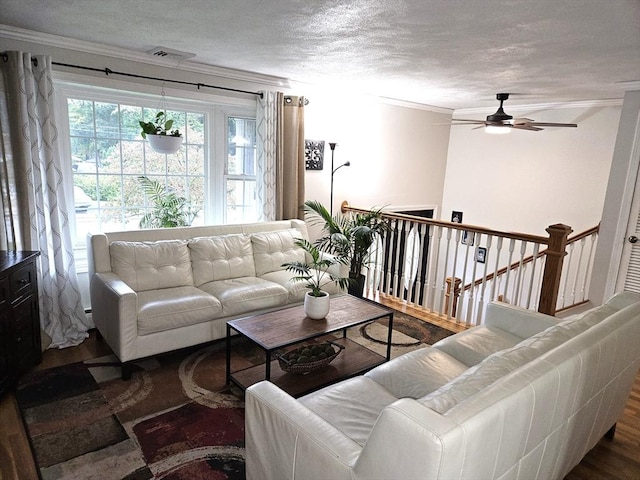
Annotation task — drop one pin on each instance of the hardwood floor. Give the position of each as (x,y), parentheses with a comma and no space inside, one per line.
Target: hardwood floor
(617,459)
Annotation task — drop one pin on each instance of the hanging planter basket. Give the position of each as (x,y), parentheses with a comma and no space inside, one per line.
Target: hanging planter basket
(165,144)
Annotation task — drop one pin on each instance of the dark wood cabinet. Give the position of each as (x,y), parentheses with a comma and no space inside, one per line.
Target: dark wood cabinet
(19,316)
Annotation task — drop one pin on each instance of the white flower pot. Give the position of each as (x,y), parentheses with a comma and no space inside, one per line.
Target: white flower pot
(316,308)
(164,143)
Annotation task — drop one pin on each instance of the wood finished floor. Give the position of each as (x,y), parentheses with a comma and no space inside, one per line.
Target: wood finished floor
(617,459)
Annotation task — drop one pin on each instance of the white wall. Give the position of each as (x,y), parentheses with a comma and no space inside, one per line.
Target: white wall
(398,157)
(526,181)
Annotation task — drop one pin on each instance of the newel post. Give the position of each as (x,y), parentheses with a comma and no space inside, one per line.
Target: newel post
(556,251)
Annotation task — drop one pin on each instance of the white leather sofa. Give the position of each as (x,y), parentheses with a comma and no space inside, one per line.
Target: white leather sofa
(153,291)
(523,396)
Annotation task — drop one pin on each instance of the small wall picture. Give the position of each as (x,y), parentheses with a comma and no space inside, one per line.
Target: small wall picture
(456,217)
(314,154)
(467,237)
(481,255)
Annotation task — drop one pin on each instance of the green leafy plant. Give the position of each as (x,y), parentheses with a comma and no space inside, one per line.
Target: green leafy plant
(170,210)
(348,236)
(315,272)
(161,125)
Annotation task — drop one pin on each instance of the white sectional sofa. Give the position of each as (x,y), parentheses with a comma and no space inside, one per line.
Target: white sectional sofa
(153,291)
(524,396)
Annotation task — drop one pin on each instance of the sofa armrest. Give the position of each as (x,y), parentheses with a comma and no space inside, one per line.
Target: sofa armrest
(285,440)
(518,321)
(114,310)
(410,440)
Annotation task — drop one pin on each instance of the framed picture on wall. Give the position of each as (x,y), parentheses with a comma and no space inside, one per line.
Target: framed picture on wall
(481,255)
(456,217)
(314,154)
(467,237)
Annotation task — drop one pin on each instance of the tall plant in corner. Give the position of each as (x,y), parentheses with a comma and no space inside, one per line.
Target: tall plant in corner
(169,209)
(349,237)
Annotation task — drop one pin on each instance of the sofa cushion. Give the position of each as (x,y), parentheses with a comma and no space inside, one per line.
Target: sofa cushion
(474,345)
(417,373)
(221,257)
(501,363)
(241,295)
(297,290)
(169,308)
(272,249)
(352,406)
(152,265)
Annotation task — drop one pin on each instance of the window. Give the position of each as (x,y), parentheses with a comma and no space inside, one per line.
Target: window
(240,171)
(107,154)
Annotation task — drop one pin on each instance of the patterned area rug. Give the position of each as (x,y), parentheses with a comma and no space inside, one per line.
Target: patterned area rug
(175,419)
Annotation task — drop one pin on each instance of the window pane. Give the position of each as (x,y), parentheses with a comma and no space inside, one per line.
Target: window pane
(108,155)
(240,170)
(107,120)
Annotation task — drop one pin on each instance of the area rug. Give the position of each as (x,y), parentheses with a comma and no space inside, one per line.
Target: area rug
(175,419)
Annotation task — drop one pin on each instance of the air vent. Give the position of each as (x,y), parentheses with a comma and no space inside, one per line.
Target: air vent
(168,53)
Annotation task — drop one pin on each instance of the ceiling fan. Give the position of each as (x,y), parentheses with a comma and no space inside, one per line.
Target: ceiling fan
(501,122)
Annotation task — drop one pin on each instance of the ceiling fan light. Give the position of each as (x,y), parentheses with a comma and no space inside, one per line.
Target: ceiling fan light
(497,129)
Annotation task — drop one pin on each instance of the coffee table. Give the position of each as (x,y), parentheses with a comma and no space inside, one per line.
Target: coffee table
(279,329)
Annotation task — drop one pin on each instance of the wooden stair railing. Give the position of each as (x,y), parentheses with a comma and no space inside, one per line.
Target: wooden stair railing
(441,243)
(570,240)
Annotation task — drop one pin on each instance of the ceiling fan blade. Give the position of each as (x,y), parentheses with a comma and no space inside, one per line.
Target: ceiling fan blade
(519,121)
(467,120)
(547,124)
(527,127)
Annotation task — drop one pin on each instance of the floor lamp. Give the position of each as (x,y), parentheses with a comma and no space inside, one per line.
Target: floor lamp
(332,146)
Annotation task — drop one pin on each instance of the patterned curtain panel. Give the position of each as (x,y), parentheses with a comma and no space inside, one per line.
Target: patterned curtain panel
(267,127)
(36,184)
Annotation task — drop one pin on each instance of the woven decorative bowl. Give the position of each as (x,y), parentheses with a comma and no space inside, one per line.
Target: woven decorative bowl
(308,358)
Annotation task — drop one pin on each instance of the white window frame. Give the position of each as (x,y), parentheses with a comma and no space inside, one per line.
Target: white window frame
(216,109)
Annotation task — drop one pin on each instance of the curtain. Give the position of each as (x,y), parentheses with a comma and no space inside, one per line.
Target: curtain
(266,126)
(36,184)
(281,169)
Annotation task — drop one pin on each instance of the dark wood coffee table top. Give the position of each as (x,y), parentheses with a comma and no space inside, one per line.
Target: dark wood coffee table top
(289,325)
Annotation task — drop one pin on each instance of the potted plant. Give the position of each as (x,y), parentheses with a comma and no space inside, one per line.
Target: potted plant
(315,272)
(349,237)
(169,209)
(162,138)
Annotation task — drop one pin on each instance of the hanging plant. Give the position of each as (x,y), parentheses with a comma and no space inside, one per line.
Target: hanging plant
(162,138)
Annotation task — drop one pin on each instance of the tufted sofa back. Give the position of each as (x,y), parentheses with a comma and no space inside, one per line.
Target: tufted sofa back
(98,244)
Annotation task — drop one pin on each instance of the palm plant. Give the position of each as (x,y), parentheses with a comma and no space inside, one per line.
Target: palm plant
(315,272)
(348,236)
(170,210)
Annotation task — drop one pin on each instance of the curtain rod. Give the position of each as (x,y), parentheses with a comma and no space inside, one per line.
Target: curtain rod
(108,71)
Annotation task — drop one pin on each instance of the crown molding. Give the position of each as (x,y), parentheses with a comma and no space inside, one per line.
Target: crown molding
(612,102)
(69,43)
(414,105)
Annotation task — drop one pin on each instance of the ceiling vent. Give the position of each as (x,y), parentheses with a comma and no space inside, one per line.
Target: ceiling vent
(170,54)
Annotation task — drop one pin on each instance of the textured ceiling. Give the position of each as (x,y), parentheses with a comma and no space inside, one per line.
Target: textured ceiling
(445,53)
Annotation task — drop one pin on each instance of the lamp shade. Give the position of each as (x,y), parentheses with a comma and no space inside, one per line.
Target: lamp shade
(497,129)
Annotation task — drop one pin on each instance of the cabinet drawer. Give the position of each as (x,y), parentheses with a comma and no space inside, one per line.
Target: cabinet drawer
(4,290)
(22,282)
(25,338)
